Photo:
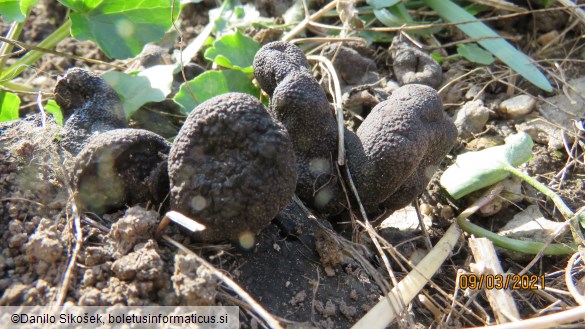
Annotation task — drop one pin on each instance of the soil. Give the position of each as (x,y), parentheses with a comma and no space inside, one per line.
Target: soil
(306,271)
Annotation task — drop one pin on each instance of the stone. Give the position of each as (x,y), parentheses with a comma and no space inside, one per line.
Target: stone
(517,106)
(543,132)
(471,118)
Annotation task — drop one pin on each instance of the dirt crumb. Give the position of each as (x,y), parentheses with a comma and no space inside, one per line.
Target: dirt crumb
(144,264)
(136,226)
(348,311)
(299,298)
(329,251)
(193,282)
(44,248)
(328,310)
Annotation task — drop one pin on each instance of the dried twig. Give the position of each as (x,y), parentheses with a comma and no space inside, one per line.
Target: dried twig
(383,313)
(579,298)
(73,258)
(338,105)
(487,263)
(303,24)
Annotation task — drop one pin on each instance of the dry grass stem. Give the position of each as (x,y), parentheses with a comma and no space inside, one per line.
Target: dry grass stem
(579,298)
(78,233)
(303,24)
(547,321)
(383,313)
(487,263)
(176,217)
(338,105)
(502,5)
(25,46)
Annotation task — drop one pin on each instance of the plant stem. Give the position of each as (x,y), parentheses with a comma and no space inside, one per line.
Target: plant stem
(556,199)
(32,56)
(527,247)
(13,34)
(17,87)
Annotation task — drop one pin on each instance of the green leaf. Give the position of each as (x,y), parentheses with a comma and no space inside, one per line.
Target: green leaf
(15,10)
(54,108)
(398,15)
(378,4)
(475,170)
(387,18)
(546,3)
(501,48)
(9,104)
(160,77)
(232,14)
(135,91)
(371,37)
(474,53)
(476,8)
(234,51)
(213,83)
(436,56)
(120,28)
(10,11)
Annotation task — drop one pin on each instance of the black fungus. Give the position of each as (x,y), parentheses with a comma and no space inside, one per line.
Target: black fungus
(399,144)
(231,167)
(274,61)
(412,65)
(114,166)
(392,156)
(299,102)
(90,106)
(121,167)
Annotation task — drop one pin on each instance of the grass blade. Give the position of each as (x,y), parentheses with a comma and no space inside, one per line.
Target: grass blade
(502,49)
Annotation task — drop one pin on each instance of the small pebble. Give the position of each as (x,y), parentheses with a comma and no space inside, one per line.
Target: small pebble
(475,91)
(471,118)
(447,212)
(547,38)
(543,132)
(517,106)
(484,142)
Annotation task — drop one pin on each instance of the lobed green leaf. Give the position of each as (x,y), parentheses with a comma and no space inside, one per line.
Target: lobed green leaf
(151,85)
(213,83)
(234,51)
(121,28)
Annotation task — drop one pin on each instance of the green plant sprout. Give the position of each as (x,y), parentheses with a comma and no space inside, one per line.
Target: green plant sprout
(476,170)
(119,28)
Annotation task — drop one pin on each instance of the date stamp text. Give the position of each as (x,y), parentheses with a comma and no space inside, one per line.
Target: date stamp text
(501,281)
